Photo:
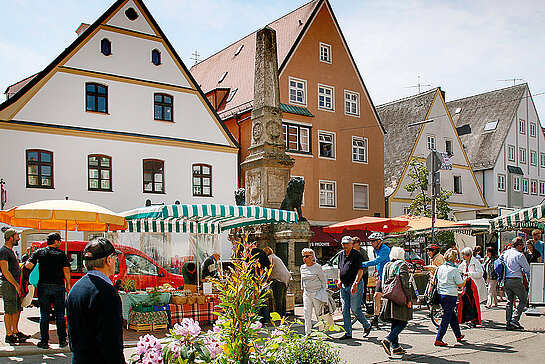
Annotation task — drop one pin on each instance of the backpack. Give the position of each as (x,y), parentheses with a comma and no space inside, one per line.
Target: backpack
(499,269)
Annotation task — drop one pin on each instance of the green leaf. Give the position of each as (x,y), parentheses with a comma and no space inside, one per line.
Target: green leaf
(275,316)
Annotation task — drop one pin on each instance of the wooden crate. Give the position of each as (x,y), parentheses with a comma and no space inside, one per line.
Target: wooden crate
(141,327)
(159,327)
(290,303)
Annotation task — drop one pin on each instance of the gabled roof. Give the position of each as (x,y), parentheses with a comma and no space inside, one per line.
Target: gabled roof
(399,140)
(42,75)
(483,147)
(238,59)
(13,89)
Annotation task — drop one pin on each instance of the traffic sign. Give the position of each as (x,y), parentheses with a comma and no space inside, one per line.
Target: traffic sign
(434,162)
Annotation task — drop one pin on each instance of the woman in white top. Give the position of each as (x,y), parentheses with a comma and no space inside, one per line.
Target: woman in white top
(472,268)
(312,280)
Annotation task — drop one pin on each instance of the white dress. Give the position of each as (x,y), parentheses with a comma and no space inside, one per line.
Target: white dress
(475,271)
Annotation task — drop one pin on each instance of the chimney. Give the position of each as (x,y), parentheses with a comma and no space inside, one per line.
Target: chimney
(82,28)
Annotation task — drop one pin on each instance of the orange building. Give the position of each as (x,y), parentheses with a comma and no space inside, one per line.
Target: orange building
(330,125)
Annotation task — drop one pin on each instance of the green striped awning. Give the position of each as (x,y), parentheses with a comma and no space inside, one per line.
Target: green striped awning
(531,217)
(203,219)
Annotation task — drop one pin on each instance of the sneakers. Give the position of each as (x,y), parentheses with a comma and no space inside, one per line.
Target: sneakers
(22,337)
(374,322)
(43,345)
(63,343)
(345,337)
(461,338)
(367,330)
(387,347)
(512,325)
(399,351)
(440,343)
(11,339)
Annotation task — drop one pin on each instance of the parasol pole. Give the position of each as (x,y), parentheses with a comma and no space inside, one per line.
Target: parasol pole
(66,237)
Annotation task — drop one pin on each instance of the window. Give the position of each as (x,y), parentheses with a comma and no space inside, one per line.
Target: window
(491,125)
(154,176)
(325,53)
(533,187)
(522,155)
(96,97)
(156,57)
(223,77)
(359,149)
(542,188)
(202,180)
(328,191)
(298,91)
(501,182)
(516,183)
(525,185)
(239,49)
(351,103)
(522,126)
(39,168)
(131,14)
(542,160)
(458,184)
(296,138)
(326,96)
(361,196)
(448,146)
(533,158)
(162,107)
(533,129)
(106,47)
(511,153)
(406,210)
(326,143)
(99,172)
(138,265)
(431,142)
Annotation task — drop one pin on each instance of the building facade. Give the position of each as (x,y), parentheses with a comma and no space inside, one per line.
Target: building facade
(330,126)
(116,120)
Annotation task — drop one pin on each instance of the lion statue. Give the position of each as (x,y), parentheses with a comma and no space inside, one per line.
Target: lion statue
(294,196)
(240,197)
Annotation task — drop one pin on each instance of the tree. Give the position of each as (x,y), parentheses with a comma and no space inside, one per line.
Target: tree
(421,204)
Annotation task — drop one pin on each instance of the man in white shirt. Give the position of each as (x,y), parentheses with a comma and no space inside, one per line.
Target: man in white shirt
(280,278)
(515,266)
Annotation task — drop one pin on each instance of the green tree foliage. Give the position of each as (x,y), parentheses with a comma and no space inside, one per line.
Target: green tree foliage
(421,204)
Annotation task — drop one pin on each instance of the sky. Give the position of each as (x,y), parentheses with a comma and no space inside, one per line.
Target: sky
(465,47)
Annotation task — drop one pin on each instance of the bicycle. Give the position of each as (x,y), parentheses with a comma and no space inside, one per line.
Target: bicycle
(436,311)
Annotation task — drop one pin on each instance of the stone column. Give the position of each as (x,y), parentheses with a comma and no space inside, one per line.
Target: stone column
(267,167)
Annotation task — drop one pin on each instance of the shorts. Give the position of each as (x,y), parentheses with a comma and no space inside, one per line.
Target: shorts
(378,288)
(12,301)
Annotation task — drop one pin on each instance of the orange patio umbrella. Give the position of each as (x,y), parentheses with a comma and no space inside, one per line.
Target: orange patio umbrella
(422,223)
(371,223)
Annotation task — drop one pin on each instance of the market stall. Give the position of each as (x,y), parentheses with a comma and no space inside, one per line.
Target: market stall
(207,219)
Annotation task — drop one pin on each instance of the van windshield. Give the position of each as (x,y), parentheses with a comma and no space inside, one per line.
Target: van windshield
(139,265)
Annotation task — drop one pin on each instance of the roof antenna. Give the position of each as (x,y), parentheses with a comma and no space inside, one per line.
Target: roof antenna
(512,79)
(195,57)
(419,85)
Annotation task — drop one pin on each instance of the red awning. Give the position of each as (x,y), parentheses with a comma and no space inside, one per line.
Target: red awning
(321,238)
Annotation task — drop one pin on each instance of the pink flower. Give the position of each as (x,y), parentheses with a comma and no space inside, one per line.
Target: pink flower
(277,332)
(187,327)
(147,343)
(152,357)
(256,325)
(214,347)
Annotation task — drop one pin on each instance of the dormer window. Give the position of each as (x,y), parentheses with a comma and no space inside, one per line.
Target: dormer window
(156,57)
(106,47)
(131,14)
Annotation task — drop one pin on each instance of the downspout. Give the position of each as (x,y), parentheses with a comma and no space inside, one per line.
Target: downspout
(239,153)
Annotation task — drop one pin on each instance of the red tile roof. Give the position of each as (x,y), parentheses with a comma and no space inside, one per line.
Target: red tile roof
(240,68)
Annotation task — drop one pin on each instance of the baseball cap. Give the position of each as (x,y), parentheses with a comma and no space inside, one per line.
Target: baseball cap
(10,232)
(375,236)
(99,248)
(346,239)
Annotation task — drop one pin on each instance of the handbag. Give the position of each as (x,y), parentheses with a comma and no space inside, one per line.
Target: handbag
(435,298)
(34,276)
(325,321)
(392,288)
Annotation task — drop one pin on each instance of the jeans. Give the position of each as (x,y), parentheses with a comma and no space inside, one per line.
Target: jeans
(393,336)
(51,294)
(279,291)
(514,287)
(352,302)
(310,302)
(449,317)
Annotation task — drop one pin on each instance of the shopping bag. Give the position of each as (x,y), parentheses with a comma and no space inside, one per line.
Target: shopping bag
(392,288)
(34,276)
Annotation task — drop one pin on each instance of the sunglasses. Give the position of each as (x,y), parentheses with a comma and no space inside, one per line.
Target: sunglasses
(306,256)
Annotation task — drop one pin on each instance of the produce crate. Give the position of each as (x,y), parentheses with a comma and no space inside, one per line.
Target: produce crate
(159,326)
(290,303)
(148,318)
(141,327)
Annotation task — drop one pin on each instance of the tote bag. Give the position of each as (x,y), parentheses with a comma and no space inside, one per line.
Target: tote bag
(393,289)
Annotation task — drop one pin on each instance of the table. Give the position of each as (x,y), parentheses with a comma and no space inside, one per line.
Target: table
(128,299)
(198,312)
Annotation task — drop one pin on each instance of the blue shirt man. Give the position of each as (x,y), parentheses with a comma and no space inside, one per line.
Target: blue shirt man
(382,254)
(538,243)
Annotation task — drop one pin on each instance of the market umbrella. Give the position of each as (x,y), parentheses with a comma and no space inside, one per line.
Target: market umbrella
(371,223)
(531,217)
(63,215)
(422,224)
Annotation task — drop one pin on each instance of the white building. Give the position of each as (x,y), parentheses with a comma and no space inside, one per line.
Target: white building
(434,130)
(504,140)
(117,120)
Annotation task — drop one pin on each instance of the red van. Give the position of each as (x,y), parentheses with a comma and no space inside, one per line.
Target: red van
(131,264)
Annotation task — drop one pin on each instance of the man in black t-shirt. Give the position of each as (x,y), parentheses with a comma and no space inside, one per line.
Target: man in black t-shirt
(263,263)
(11,274)
(351,286)
(54,271)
